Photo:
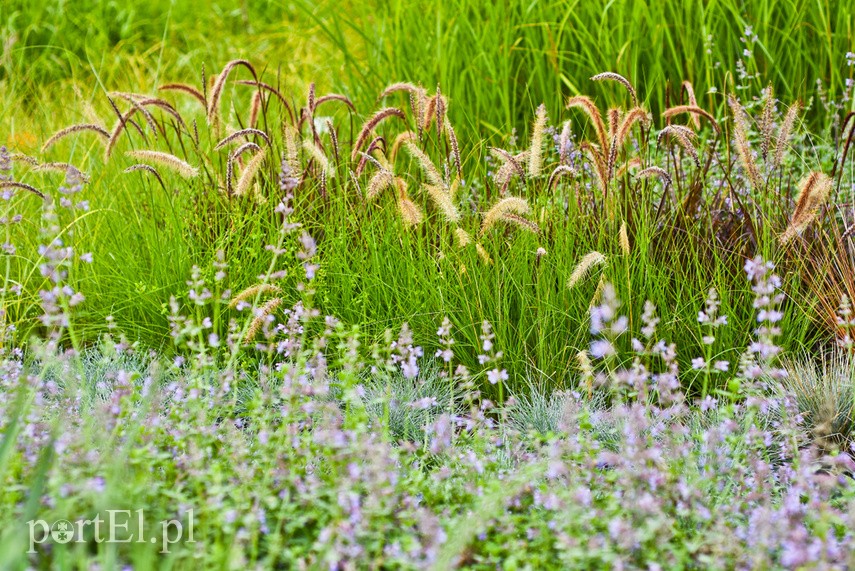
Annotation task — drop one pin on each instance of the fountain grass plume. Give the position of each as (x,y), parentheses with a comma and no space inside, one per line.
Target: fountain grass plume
(587,105)
(656,172)
(679,134)
(184,169)
(334,97)
(455,147)
(369,126)
(535,155)
(185,88)
(814,190)
(146,168)
(441,198)
(588,261)
(463,237)
(23,186)
(252,292)
(623,239)
(220,83)
(427,166)
(261,318)
(318,155)
(512,164)
(62,168)
(743,148)
(692,110)
(611,76)
(255,108)
(633,116)
(410,212)
(560,171)
(242,133)
(784,133)
(249,172)
(687,88)
(381,180)
(505,206)
(270,89)
(75,129)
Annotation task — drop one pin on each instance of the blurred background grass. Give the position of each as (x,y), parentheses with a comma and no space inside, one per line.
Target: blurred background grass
(496,60)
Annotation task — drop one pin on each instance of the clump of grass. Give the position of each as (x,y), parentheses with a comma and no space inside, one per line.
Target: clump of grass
(825,394)
(407,407)
(611,136)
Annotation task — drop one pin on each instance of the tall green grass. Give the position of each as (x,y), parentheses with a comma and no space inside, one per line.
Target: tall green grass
(498,60)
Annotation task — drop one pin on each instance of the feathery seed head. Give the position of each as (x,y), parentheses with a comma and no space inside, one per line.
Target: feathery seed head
(382,180)
(694,111)
(253,292)
(588,261)
(483,254)
(75,129)
(442,200)
(610,76)
(166,160)
(261,318)
(509,205)
(430,170)
(369,126)
(249,172)
(463,237)
(743,149)
(535,155)
(585,103)
(623,238)
(784,133)
(814,191)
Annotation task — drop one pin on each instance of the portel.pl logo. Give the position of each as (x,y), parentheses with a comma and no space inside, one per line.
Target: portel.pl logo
(119,526)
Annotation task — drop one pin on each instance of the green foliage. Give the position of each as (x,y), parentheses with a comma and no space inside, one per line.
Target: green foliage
(499,60)
(145,239)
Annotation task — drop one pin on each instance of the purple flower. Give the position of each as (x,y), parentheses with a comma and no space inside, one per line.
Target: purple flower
(494,376)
